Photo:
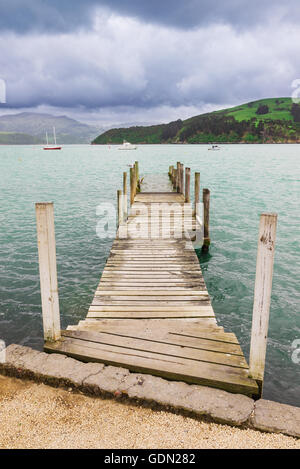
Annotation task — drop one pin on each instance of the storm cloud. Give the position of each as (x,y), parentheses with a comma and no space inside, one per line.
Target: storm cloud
(66,15)
(124,60)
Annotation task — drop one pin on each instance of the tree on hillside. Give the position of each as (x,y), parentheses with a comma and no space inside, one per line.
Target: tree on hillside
(171,129)
(262,109)
(295,111)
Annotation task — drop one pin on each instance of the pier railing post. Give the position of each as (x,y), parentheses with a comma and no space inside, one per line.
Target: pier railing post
(178,176)
(120,207)
(132,185)
(48,272)
(206,238)
(197,194)
(187,185)
(174,178)
(171,173)
(136,168)
(125,196)
(181,178)
(262,296)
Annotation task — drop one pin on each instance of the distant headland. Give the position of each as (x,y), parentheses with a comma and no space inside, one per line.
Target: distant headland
(272,120)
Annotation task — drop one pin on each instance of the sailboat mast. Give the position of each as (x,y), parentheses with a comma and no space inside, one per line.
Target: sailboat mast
(47,138)
(54,135)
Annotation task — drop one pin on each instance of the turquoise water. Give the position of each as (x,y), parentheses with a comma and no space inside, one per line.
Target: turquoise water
(244,180)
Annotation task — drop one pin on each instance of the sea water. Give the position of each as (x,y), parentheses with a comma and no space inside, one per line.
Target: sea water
(244,180)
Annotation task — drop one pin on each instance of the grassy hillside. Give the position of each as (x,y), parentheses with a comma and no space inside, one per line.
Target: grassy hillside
(263,121)
(37,124)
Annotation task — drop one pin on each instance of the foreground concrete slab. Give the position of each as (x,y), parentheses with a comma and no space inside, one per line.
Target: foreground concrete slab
(98,379)
(273,417)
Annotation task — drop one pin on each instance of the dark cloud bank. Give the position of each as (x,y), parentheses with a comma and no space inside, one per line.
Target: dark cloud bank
(130,56)
(66,15)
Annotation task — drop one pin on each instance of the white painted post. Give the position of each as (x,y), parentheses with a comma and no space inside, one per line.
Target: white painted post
(48,273)
(262,295)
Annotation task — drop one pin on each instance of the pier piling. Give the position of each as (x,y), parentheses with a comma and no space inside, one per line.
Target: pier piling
(187,185)
(120,208)
(132,185)
(48,272)
(178,178)
(206,238)
(125,214)
(262,295)
(197,194)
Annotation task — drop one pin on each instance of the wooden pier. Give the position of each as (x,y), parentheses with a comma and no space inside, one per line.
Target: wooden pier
(151,312)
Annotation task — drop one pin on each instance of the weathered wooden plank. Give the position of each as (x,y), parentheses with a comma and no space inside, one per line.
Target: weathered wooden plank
(104,301)
(151,294)
(161,308)
(146,314)
(209,339)
(159,268)
(159,347)
(229,378)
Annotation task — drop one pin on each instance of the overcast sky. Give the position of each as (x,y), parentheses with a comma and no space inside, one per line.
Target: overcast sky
(110,62)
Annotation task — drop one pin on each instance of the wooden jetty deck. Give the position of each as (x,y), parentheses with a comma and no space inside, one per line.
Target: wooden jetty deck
(151,312)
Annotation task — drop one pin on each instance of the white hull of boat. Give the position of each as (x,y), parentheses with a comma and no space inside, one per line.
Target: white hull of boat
(127,146)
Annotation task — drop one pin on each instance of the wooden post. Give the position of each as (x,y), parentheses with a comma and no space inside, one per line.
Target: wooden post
(178,177)
(262,296)
(187,185)
(125,196)
(206,239)
(197,193)
(174,177)
(132,185)
(136,167)
(120,207)
(48,273)
(181,178)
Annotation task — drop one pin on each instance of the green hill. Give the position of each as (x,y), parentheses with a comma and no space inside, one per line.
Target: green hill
(15,138)
(270,120)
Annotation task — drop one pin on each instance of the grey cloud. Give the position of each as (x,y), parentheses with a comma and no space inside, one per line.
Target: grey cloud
(109,67)
(67,15)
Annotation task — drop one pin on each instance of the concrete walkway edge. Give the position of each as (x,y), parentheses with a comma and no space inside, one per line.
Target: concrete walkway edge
(100,380)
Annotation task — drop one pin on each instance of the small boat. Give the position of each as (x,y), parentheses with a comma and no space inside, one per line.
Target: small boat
(51,147)
(127,146)
(214,148)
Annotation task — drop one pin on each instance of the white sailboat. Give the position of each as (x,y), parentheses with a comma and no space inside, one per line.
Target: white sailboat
(52,147)
(127,146)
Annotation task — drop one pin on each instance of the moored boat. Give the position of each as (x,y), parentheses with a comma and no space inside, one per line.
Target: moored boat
(52,147)
(214,147)
(127,146)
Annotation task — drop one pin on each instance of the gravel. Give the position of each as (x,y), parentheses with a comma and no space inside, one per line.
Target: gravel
(38,416)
